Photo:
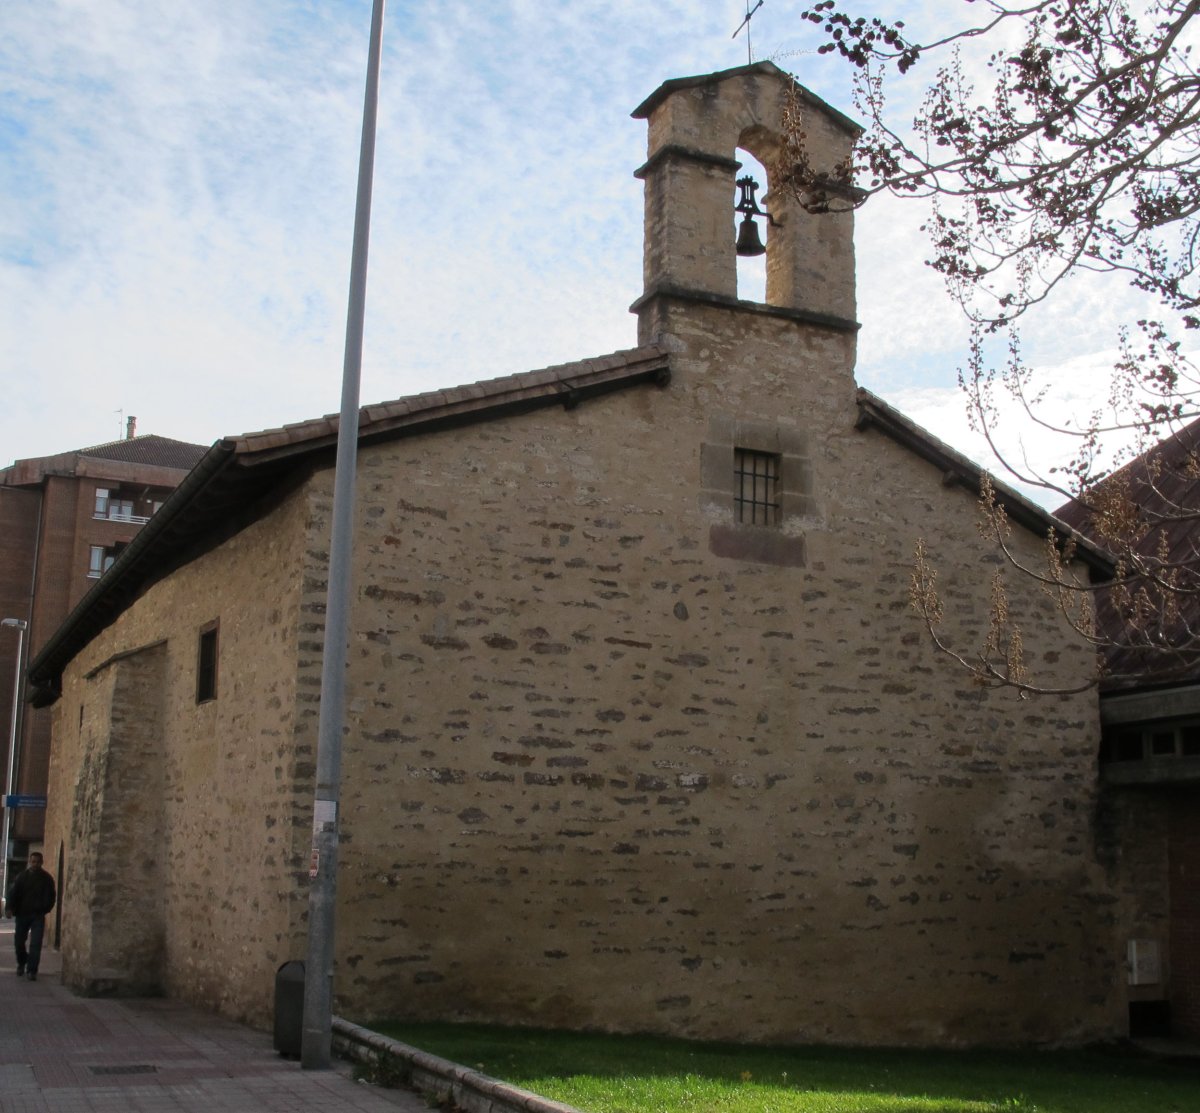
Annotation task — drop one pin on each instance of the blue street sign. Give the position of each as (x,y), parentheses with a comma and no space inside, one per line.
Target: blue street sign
(17,801)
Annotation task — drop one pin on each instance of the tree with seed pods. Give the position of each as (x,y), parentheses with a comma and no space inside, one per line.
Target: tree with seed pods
(1053,138)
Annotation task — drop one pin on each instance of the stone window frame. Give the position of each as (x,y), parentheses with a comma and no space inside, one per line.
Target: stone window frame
(208,656)
(782,542)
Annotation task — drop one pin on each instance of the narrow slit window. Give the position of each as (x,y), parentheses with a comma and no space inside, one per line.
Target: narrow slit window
(206,665)
(756,487)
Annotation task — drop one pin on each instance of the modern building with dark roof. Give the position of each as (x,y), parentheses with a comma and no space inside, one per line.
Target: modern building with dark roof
(64,520)
(1150,685)
(642,732)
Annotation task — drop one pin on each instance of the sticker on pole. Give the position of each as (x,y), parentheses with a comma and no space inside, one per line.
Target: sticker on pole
(324,816)
(314,864)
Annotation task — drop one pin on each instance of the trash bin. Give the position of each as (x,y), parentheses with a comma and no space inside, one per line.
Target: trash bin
(289,1008)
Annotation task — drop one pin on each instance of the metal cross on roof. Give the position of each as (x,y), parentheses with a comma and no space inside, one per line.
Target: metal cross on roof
(746,23)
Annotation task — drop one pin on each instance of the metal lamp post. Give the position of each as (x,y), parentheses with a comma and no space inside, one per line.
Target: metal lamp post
(19,624)
(317,1034)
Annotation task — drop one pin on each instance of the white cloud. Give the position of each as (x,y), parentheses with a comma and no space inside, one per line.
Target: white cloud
(177,191)
(1070,393)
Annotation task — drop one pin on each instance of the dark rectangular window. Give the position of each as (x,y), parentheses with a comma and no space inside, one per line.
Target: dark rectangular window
(1127,746)
(101,559)
(1190,739)
(1153,740)
(206,664)
(1162,743)
(756,487)
(135,505)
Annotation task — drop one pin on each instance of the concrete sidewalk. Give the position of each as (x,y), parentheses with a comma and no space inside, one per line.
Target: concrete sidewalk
(65,1054)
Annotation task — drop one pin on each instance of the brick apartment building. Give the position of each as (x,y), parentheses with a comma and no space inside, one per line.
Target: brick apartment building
(63,520)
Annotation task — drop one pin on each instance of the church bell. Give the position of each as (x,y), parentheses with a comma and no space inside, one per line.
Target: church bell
(748,240)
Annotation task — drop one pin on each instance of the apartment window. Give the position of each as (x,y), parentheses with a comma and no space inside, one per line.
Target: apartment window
(101,558)
(756,487)
(206,664)
(1145,742)
(116,505)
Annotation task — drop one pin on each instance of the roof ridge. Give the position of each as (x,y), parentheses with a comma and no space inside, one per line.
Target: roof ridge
(133,440)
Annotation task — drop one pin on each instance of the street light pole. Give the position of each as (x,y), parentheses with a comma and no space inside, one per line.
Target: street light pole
(316,1043)
(19,624)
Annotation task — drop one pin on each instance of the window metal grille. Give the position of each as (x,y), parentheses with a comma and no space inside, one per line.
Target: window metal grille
(756,487)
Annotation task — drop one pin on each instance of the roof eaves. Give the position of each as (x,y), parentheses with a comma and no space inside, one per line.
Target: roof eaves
(566,384)
(644,110)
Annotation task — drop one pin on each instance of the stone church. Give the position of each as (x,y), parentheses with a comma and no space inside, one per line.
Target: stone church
(643,734)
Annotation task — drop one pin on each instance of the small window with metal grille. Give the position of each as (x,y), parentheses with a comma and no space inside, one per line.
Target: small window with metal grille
(756,487)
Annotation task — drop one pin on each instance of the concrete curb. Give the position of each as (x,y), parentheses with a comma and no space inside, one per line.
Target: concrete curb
(468,1089)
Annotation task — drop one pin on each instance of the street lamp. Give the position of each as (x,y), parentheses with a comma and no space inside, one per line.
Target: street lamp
(317,1024)
(19,624)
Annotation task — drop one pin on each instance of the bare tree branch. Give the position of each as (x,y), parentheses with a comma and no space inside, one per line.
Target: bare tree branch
(1077,149)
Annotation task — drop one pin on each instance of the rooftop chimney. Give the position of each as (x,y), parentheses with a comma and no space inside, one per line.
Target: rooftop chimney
(130,428)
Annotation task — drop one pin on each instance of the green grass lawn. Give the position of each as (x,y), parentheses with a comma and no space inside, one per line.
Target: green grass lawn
(643,1074)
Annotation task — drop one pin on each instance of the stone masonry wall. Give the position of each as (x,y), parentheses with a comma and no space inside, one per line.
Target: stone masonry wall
(124,915)
(74,817)
(228,843)
(599,773)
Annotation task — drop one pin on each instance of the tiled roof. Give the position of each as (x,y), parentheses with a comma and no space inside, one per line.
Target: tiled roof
(565,382)
(236,474)
(1167,496)
(153,450)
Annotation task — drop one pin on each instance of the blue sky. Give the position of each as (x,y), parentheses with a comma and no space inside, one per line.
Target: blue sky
(177,189)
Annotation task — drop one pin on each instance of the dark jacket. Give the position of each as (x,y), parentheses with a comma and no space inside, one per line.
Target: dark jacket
(32,894)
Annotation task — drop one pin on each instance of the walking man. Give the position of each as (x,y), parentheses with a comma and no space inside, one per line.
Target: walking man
(32,895)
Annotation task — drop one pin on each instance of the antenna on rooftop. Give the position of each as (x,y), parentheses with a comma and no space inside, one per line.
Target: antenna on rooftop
(120,422)
(746,23)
